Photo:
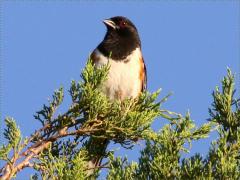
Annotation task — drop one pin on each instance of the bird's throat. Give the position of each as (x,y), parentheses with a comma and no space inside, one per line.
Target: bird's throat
(118,48)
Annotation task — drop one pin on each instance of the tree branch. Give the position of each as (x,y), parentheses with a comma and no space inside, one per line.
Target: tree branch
(25,157)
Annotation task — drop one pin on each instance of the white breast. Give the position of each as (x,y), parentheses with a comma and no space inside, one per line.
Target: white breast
(123,78)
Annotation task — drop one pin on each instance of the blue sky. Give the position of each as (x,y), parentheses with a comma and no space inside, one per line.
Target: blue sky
(187,46)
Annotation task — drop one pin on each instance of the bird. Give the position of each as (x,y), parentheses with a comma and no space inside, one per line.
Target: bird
(121,48)
(127,76)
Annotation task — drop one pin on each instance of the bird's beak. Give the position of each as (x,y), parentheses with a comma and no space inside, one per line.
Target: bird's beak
(109,23)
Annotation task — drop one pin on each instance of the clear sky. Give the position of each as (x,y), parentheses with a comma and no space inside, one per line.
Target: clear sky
(187,46)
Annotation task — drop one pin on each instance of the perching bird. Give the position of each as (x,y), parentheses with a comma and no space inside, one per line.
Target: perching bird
(127,78)
(121,47)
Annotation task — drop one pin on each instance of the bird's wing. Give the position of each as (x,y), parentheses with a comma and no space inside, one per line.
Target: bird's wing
(94,57)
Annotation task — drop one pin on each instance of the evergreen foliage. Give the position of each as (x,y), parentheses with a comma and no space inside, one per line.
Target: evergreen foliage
(60,148)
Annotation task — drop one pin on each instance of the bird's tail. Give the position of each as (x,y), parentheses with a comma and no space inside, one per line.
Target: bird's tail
(97,151)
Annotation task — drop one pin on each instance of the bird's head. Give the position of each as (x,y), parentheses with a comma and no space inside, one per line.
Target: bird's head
(121,38)
(122,26)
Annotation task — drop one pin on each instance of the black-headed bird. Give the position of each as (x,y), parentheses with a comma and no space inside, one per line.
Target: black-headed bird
(127,78)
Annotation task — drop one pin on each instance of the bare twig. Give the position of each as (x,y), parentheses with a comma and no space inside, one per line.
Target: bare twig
(25,157)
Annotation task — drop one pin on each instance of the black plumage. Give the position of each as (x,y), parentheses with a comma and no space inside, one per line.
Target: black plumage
(119,42)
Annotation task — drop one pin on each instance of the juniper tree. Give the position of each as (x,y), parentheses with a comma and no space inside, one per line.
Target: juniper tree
(60,149)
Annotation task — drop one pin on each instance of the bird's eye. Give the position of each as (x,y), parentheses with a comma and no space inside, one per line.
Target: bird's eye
(122,24)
